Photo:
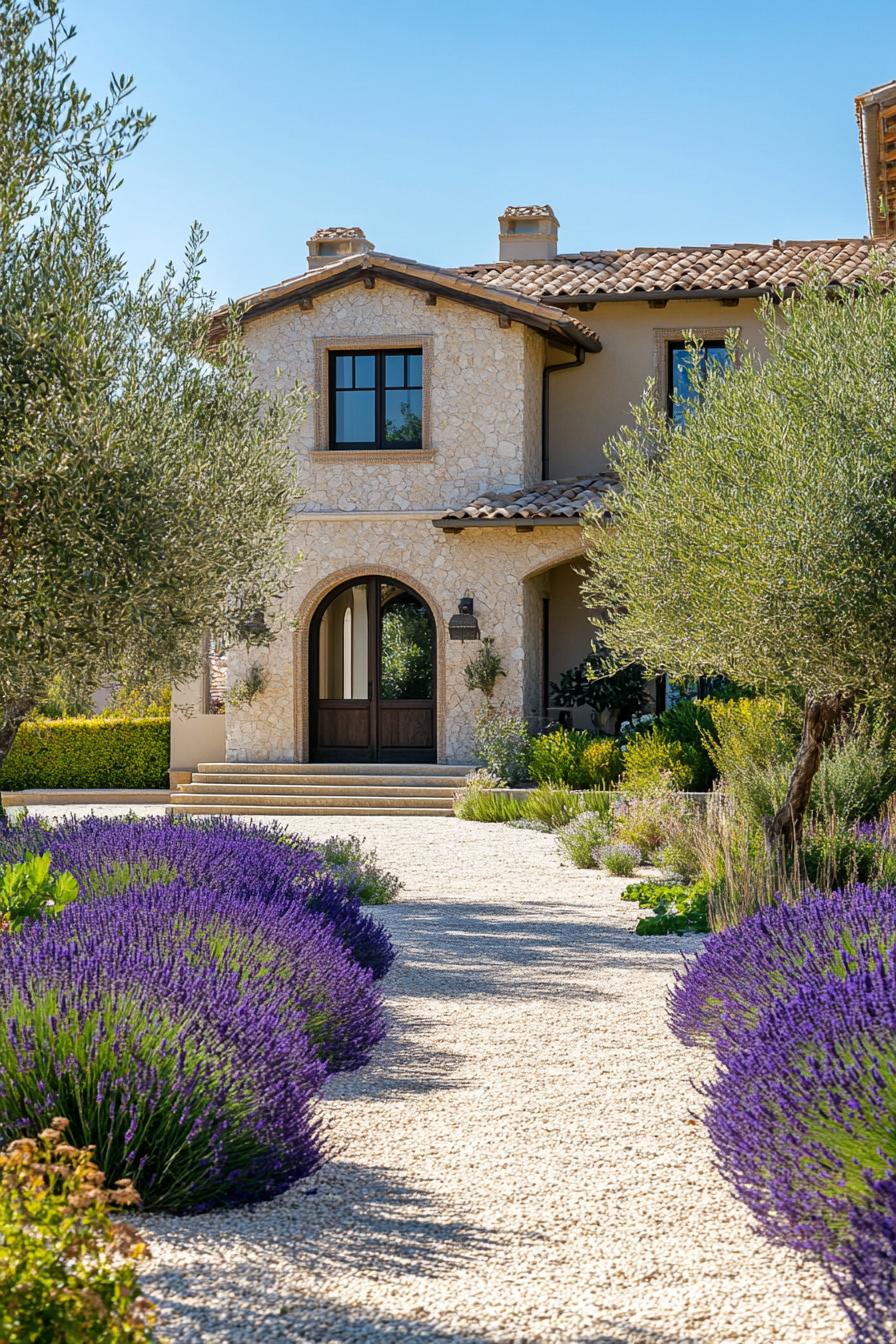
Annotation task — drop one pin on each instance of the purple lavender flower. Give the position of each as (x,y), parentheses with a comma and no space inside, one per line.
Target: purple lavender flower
(189,1075)
(864,1270)
(802,1115)
(743,973)
(108,855)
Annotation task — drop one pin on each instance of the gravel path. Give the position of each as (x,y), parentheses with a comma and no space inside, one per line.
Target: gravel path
(519,1164)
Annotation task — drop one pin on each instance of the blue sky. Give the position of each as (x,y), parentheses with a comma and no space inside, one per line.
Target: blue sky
(640,123)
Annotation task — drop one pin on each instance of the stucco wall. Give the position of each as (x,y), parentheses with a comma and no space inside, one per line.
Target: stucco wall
(482,382)
(589,404)
(489,565)
(195,735)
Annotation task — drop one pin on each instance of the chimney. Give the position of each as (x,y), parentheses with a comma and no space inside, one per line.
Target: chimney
(528,233)
(876,115)
(327,246)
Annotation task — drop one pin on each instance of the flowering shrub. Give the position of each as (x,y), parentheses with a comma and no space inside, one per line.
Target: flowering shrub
(501,741)
(619,859)
(217,853)
(744,972)
(803,1115)
(191,1077)
(649,821)
(555,757)
(602,762)
(654,762)
(67,1271)
(864,1268)
(579,838)
(358,870)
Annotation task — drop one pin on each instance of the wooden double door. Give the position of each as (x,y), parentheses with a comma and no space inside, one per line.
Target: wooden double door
(373,674)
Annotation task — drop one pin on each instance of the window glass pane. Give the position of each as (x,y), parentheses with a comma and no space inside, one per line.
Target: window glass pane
(406,643)
(342,657)
(344,370)
(415,370)
(404,408)
(365,370)
(680,380)
(394,370)
(355,417)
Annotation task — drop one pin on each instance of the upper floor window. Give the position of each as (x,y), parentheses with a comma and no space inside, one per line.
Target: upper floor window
(376,399)
(680,377)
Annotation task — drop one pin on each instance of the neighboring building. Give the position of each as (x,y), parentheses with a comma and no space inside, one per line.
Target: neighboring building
(456,437)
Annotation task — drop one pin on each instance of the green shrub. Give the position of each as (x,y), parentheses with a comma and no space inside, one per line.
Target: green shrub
(28,890)
(651,821)
(676,908)
(67,1271)
(857,774)
(653,763)
(690,723)
(619,859)
(357,868)
(555,757)
(753,749)
(98,753)
(502,743)
(553,804)
(477,801)
(602,762)
(835,857)
(579,838)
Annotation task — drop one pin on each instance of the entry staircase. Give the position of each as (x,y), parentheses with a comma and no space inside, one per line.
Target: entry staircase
(231,788)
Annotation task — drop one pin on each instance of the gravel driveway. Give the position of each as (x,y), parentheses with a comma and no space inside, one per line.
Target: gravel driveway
(520,1163)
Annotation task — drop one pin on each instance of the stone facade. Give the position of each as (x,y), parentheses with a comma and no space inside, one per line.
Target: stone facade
(482,431)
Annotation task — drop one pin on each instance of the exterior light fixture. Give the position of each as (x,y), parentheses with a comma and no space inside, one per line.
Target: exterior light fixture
(256,627)
(464,625)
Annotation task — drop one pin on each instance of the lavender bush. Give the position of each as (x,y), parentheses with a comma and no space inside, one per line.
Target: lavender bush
(802,1115)
(218,853)
(864,1270)
(191,1077)
(742,973)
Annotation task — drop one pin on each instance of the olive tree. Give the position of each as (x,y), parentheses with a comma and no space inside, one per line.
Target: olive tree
(145,480)
(758,539)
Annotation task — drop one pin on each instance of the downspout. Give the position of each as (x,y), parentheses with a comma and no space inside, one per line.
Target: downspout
(545,407)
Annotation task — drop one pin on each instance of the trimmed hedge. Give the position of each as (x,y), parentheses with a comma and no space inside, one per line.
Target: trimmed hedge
(99,753)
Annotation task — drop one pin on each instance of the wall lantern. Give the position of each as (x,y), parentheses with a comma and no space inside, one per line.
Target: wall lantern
(464,625)
(256,627)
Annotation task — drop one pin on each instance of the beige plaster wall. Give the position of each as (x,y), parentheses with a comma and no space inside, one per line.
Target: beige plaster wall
(490,565)
(571,632)
(589,404)
(195,736)
(481,397)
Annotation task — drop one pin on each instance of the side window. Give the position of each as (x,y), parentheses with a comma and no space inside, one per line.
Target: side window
(376,399)
(682,375)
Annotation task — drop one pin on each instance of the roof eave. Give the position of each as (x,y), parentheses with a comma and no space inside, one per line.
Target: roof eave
(459,524)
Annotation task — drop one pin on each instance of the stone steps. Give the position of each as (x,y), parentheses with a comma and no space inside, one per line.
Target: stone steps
(292,789)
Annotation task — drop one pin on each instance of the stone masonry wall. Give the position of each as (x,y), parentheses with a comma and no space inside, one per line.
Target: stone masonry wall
(491,565)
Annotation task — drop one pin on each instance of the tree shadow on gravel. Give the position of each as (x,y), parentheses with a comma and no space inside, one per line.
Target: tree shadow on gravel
(310,1319)
(485,950)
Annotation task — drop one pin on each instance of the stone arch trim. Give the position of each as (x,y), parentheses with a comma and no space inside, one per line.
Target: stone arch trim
(564,558)
(301,639)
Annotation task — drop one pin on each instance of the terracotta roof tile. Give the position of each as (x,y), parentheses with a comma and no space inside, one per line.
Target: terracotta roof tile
(641,271)
(565,498)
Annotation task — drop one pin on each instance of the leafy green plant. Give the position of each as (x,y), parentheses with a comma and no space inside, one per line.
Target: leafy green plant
(619,859)
(478,801)
(28,890)
(248,688)
(358,869)
(484,668)
(554,804)
(601,763)
(92,753)
(594,683)
(654,762)
(502,742)
(676,908)
(649,821)
(68,1272)
(690,723)
(751,746)
(579,838)
(857,773)
(555,757)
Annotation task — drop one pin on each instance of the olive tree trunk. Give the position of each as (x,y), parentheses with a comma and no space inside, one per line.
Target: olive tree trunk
(821,716)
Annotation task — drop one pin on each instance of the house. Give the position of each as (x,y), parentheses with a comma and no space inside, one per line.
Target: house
(456,438)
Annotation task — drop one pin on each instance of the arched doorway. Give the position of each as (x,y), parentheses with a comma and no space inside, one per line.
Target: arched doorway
(372,673)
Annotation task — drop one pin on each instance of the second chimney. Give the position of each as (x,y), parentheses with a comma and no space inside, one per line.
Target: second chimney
(528,233)
(327,246)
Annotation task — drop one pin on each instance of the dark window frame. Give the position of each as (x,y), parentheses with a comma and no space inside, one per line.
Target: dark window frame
(711,343)
(380,443)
